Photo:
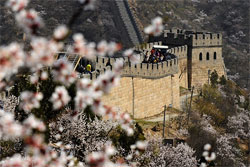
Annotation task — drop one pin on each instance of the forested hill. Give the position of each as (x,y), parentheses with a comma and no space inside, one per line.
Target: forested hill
(102,23)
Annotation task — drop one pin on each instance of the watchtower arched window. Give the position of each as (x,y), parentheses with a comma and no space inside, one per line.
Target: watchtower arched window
(215,56)
(200,57)
(207,56)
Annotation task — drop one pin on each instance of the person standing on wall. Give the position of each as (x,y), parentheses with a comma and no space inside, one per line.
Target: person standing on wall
(88,67)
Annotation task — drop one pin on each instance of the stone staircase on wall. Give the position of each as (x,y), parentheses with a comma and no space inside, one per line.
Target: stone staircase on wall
(134,20)
(126,17)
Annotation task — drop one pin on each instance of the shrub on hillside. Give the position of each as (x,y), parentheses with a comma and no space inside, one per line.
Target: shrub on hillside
(158,154)
(82,135)
(198,137)
(214,78)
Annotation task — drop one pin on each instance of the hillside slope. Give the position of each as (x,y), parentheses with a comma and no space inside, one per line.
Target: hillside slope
(231,18)
(102,23)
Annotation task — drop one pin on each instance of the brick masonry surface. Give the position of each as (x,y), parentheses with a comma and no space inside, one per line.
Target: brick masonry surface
(144,97)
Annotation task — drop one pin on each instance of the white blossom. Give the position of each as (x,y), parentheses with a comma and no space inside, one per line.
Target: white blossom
(30,100)
(11,58)
(141,145)
(60,97)
(17,5)
(104,48)
(29,21)
(135,59)
(60,32)
(63,72)
(43,52)
(86,50)
(9,128)
(207,147)
(239,124)
(156,27)
(34,123)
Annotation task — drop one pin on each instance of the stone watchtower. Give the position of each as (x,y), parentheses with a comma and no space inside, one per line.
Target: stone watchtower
(204,53)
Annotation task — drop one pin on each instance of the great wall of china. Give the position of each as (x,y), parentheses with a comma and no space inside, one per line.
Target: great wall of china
(129,21)
(146,88)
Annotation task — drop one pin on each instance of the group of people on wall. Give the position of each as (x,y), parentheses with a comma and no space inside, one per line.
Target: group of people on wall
(157,56)
(85,66)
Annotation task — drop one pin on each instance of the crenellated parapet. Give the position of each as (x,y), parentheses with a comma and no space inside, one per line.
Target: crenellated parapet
(143,70)
(147,46)
(177,37)
(151,71)
(206,39)
(179,51)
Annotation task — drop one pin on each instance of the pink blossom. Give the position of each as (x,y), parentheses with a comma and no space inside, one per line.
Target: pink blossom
(15,161)
(123,118)
(29,21)
(84,84)
(60,32)
(17,5)
(60,97)
(63,72)
(156,27)
(11,58)
(82,99)
(118,66)
(33,123)
(9,128)
(106,81)
(83,48)
(34,78)
(43,52)
(135,59)
(104,48)
(30,100)
(207,147)
(141,145)
(208,154)
(96,159)
(44,75)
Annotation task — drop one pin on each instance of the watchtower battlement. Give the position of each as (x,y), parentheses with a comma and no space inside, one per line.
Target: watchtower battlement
(177,37)
(206,39)
(180,51)
(193,38)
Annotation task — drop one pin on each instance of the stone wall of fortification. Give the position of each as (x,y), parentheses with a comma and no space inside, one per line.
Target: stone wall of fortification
(144,88)
(142,70)
(200,67)
(181,53)
(144,97)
